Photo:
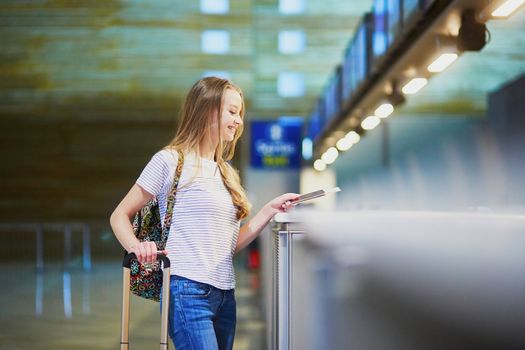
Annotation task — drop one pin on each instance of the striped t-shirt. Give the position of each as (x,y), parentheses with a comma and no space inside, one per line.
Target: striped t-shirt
(204,227)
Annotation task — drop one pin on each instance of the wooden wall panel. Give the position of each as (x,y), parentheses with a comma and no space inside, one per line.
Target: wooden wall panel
(76,171)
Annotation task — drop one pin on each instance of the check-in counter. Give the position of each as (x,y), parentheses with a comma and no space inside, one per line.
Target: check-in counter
(398,280)
(285,234)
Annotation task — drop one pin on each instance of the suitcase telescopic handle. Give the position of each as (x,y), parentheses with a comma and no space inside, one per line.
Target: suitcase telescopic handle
(131,256)
(124,332)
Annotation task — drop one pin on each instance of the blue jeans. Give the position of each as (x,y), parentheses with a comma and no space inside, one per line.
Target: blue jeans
(201,317)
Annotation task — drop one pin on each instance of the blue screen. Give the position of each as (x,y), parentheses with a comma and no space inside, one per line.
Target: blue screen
(394,20)
(314,126)
(337,87)
(333,95)
(355,66)
(360,55)
(347,73)
(409,7)
(329,99)
(380,34)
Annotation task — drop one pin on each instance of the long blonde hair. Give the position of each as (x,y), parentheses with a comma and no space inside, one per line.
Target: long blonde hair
(204,102)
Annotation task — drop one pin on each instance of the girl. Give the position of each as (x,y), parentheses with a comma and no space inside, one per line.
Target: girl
(205,231)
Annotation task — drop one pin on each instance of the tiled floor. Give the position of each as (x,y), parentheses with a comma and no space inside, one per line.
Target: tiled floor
(81,310)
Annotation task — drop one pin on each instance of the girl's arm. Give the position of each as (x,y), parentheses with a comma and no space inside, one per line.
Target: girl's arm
(253,228)
(120,222)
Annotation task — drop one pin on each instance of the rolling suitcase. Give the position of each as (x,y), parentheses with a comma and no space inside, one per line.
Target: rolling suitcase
(124,333)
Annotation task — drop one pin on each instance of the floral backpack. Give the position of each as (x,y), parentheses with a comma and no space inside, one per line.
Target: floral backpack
(146,279)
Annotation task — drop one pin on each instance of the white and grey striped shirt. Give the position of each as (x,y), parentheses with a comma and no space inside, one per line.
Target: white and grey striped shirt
(204,227)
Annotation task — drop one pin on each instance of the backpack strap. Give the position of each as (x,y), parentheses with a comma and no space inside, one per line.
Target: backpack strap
(171,196)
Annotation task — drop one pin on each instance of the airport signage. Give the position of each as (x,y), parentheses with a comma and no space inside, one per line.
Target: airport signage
(276,144)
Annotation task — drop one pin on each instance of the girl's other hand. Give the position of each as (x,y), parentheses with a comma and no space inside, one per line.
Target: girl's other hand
(146,252)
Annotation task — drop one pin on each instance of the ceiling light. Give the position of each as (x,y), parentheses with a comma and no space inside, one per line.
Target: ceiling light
(370,122)
(214,6)
(330,155)
(384,110)
(507,8)
(307,148)
(319,165)
(442,62)
(414,85)
(291,7)
(215,42)
(353,137)
(290,84)
(325,157)
(291,41)
(344,144)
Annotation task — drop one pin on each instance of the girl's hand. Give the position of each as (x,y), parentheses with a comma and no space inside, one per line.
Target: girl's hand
(282,203)
(146,252)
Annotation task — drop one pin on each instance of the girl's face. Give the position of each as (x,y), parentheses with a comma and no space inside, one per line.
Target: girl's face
(230,114)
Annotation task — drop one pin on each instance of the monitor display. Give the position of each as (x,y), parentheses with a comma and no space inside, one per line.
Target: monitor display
(348,72)
(338,87)
(380,33)
(409,8)
(317,119)
(394,20)
(321,111)
(361,55)
(333,94)
(329,99)
(314,124)
(356,65)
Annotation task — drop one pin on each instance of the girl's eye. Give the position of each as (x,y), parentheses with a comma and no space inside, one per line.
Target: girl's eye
(232,112)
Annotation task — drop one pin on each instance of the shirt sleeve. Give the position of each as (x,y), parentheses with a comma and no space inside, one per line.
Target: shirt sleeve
(154,174)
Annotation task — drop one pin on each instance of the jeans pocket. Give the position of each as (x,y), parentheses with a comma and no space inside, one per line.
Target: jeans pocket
(195,289)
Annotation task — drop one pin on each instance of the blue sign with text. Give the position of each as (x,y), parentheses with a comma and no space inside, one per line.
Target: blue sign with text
(276,144)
